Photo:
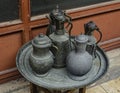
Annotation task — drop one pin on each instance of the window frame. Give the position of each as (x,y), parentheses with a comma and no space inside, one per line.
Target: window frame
(84,8)
(30,18)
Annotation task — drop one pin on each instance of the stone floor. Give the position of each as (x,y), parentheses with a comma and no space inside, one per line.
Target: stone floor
(112,86)
(110,83)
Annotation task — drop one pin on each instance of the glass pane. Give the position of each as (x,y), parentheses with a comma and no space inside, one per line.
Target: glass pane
(9,10)
(45,6)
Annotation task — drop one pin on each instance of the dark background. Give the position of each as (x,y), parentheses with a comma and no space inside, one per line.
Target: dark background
(45,6)
(9,9)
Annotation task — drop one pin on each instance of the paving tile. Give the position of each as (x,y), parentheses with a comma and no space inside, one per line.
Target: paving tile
(97,89)
(14,85)
(113,53)
(24,90)
(112,86)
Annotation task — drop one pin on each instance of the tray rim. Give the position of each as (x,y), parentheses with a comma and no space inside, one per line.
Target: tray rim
(29,44)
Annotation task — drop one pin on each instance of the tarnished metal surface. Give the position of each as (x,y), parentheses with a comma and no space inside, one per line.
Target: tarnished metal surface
(41,58)
(58,78)
(59,35)
(79,61)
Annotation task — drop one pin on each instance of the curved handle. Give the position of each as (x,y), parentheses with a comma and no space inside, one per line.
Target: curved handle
(70,25)
(54,49)
(94,53)
(90,27)
(69,19)
(100,33)
(74,44)
(50,20)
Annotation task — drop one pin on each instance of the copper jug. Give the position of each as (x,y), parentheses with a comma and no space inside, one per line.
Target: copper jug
(41,58)
(79,61)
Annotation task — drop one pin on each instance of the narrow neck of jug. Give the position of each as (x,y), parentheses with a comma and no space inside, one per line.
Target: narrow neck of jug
(81,47)
(59,28)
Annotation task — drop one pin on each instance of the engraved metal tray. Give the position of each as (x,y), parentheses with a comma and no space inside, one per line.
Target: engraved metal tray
(58,78)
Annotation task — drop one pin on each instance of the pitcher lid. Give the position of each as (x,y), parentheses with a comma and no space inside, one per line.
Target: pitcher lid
(81,39)
(41,41)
